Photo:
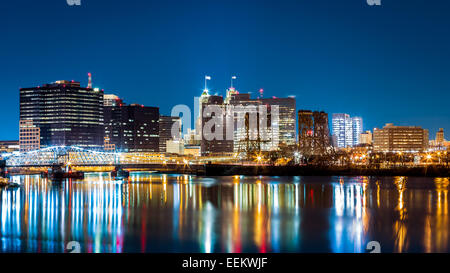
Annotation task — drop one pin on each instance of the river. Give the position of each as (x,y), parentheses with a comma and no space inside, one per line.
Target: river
(185,213)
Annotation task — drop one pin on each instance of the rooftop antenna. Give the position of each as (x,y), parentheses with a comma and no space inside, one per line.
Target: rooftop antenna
(90,80)
(233,78)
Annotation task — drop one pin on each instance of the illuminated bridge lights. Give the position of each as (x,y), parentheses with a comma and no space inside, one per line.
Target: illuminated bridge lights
(78,156)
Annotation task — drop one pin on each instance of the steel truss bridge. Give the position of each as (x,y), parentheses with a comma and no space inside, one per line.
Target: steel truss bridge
(76,156)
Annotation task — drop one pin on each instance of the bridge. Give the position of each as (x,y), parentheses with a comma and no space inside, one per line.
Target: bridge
(81,157)
(76,156)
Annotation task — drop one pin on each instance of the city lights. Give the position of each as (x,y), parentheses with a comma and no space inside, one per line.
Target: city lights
(243,128)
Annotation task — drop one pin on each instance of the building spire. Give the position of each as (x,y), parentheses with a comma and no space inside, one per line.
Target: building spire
(233,78)
(207,78)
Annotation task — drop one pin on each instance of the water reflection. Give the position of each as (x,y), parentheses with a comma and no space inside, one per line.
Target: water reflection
(184,213)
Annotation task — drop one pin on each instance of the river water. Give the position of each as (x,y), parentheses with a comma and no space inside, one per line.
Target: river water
(184,213)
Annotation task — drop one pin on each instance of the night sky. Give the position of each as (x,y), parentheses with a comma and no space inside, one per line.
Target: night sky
(388,63)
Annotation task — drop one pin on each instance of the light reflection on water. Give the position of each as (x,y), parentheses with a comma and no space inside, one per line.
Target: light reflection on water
(183,213)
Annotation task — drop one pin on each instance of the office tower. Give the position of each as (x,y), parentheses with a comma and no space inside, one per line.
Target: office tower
(29,136)
(203,99)
(132,128)
(111,100)
(169,130)
(440,137)
(254,128)
(357,129)
(241,104)
(366,138)
(313,132)
(66,114)
(214,136)
(240,107)
(342,129)
(347,130)
(400,139)
(287,118)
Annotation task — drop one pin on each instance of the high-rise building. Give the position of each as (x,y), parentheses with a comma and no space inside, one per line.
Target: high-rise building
(133,128)
(169,130)
(400,139)
(342,130)
(242,106)
(440,137)
(29,136)
(270,134)
(357,129)
(66,114)
(347,130)
(203,99)
(313,132)
(287,117)
(240,109)
(214,138)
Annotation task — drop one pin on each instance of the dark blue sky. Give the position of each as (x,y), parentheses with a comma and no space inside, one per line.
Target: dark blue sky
(387,64)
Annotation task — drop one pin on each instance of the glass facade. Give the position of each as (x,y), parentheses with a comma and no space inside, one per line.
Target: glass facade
(66,114)
(287,118)
(347,130)
(357,129)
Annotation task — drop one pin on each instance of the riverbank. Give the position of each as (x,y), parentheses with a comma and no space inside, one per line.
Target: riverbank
(224,170)
(227,170)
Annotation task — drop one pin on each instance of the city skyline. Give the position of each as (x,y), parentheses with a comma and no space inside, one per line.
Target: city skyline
(190,128)
(354,135)
(381,69)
